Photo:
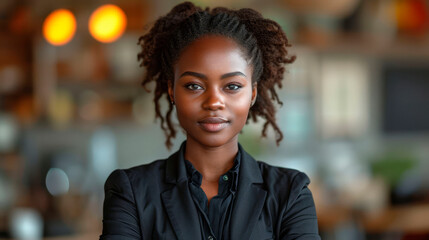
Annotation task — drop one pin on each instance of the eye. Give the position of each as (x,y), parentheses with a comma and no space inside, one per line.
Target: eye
(193,86)
(233,87)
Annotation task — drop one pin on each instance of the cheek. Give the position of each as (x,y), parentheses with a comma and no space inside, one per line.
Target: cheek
(185,108)
(242,111)
(185,112)
(241,107)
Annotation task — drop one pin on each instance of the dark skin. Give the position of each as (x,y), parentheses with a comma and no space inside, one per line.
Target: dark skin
(213,92)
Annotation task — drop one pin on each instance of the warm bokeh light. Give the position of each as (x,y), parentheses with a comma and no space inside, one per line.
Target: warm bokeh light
(107,23)
(59,27)
(411,16)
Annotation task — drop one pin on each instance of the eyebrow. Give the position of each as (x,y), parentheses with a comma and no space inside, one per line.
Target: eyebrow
(204,77)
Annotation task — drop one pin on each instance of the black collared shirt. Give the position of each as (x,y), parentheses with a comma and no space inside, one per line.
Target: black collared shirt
(214,219)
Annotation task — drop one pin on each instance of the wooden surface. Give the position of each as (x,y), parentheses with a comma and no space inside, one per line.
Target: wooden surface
(407,219)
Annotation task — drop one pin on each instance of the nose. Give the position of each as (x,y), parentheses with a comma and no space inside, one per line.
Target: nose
(213,100)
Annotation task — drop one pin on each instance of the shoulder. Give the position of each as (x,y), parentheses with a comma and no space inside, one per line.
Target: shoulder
(153,171)
(282,175)
(289,195)
(287,184)
(282,184)
(150,170)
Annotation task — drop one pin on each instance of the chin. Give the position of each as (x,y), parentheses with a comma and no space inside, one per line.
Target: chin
(213,141)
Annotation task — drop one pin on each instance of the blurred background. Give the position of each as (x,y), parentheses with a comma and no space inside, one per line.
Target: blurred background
(355,116)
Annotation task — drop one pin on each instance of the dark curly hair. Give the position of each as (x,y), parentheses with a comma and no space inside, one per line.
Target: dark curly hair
(262,40)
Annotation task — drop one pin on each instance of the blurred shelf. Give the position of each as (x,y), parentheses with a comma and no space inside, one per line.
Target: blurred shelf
(86,236)
(110,89)
(407,219)
(409,47)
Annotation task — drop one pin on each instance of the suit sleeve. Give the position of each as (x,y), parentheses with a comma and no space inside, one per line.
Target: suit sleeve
(120,219)
(299,220)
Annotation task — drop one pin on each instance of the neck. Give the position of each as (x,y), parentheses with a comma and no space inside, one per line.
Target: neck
(211,162)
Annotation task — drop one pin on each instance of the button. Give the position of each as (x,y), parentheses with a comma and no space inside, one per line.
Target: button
(225,178)
(210,238)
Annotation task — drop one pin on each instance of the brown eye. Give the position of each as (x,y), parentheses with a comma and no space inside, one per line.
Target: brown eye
(233,87)
(193,87)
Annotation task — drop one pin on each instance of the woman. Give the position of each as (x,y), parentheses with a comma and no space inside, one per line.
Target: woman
(217,68)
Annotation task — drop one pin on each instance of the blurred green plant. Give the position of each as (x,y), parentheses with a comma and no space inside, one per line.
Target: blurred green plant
(392,165)
(251,141)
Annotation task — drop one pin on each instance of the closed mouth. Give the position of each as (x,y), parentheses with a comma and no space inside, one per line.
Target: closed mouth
(213,120)
(213,124)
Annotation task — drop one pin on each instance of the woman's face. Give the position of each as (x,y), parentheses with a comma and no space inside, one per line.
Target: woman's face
(212,91)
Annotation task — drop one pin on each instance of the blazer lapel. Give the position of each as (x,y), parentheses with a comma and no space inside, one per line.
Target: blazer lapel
(178,201)
(250,198)
(182,212)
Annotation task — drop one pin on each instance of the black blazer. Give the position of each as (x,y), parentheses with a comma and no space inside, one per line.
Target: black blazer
(153,201)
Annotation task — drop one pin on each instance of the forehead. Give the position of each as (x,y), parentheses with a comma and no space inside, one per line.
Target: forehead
(212,53)
(212,42)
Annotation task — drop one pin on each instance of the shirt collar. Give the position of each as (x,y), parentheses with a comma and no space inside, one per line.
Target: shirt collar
(196,178)
(250,172)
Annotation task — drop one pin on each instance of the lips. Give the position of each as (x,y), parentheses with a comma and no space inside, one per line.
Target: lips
(213,124)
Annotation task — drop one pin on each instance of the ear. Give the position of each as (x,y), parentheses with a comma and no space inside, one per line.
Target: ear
(254,93)
(171,91)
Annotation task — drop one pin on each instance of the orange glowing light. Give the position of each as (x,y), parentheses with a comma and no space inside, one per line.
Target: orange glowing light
(107,23)
(59,27)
